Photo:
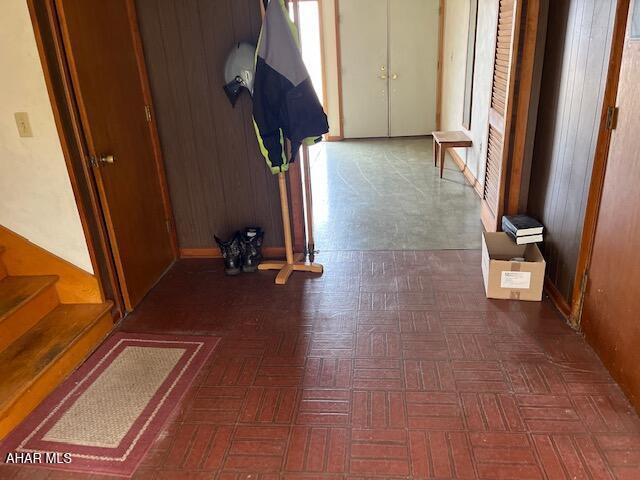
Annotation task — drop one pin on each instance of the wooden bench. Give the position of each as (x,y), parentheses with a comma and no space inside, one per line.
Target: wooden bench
(444,140)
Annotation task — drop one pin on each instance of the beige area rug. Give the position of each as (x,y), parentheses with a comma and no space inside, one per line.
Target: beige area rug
(104,418)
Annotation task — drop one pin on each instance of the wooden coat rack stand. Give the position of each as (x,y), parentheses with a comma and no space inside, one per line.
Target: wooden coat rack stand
(290,265)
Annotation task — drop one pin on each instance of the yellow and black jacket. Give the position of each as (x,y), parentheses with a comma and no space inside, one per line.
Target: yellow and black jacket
(285,105)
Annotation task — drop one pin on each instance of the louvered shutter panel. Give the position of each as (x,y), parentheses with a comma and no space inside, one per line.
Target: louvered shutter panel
(492,174)
(505,54)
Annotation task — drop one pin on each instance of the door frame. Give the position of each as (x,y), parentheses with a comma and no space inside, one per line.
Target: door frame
(521,110)
(296,7)
(442,11)
(45,22)
(299,186)
(439,77)
(574,310)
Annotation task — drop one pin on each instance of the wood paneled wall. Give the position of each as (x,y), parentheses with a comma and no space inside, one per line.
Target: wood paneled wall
(573,82)
(217,178)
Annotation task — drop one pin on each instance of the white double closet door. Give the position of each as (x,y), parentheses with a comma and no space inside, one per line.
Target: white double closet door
(389,53)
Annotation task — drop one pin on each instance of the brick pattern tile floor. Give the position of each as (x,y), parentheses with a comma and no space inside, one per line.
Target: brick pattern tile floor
(390,365)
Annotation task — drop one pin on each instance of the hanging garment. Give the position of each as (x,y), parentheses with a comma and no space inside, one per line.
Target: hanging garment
(285,105)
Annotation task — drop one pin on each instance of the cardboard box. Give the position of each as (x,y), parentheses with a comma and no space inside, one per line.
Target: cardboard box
(504,278)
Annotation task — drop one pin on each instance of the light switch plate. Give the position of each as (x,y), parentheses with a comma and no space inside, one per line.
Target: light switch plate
(22,122)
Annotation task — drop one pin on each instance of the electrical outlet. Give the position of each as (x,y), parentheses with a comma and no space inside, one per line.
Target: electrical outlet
(22,122)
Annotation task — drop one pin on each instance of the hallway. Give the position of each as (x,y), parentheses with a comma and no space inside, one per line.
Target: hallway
(390,365)
(386,194)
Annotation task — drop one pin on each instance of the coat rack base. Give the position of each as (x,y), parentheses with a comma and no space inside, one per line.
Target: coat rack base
(286,269)
(294,262)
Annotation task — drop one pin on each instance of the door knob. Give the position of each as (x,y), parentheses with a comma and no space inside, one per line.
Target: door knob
(106,159)
(394,76)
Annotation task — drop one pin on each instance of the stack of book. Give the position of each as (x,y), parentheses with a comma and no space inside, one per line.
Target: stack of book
(522,229)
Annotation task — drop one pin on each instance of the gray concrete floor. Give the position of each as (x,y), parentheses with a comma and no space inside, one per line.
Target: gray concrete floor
(385,194)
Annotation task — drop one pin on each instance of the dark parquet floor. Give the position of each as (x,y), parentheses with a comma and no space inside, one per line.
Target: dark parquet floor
(390,365)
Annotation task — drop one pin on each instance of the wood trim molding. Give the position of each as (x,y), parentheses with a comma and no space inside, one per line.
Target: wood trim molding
(200,253)
(323,59)
(52,57)
(333,138)
(440,68)
(556,297)
(267,252)
(21,257)
(339,66)
(153,126)
(599,162)
(468,174)
(525,108)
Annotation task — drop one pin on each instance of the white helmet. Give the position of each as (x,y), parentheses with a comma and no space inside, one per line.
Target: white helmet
(239,70)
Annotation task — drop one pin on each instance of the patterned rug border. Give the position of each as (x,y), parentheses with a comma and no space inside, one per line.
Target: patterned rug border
(124,459)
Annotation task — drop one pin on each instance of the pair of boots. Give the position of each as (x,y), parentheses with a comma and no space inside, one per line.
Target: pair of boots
(243,252)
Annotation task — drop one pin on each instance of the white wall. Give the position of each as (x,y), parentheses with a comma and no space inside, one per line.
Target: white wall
(453,72)
(454,66)
(36,200)
(454,62)
(328,11)
(482,82)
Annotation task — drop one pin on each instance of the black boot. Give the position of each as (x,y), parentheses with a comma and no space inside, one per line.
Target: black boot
(251,245)
(232,254)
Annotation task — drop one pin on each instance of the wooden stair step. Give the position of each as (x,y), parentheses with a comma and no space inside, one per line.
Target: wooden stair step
(39,360)
(23,301)
(15,292)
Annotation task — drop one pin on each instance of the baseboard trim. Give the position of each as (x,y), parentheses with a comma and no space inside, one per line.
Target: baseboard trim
(268,252)
(470,177)
(333,138)
(21,257)
(556,297)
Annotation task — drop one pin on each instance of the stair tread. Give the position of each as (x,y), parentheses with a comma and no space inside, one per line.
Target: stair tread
(31,354)
(17,290)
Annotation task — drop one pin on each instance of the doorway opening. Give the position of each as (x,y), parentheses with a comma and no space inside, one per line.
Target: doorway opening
(377,188)
(373,192)
(386,194)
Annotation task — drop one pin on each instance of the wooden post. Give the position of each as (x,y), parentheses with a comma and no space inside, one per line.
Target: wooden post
(286,222)
(311,244)
(287,267)
(291,264)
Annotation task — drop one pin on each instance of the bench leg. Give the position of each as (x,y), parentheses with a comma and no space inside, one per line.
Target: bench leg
(441,153)
(435,153)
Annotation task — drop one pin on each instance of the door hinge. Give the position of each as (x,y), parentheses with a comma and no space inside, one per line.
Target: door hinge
(147,112)
(612,118)
(584,283)
(576,315)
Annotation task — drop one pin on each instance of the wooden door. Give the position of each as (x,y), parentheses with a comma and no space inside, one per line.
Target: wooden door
(363,48)
(103,51)
(611,310)
(500,113)
(413,66)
